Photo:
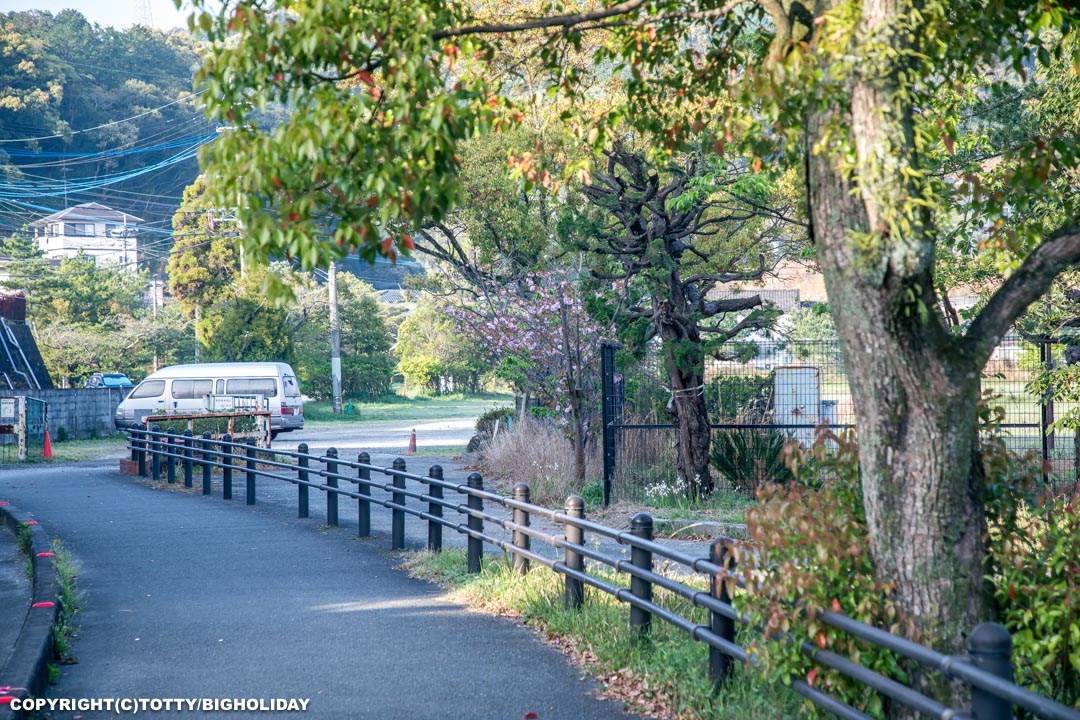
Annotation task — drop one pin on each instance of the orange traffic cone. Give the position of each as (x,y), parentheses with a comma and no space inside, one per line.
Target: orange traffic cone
(47,453)
(412,443)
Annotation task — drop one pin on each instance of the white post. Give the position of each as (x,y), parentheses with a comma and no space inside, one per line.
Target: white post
(24,450)
(335,338)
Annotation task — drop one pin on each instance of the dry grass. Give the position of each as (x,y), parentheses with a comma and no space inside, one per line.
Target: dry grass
(538,453)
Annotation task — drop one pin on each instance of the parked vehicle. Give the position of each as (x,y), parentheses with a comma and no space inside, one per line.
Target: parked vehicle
(186,389)
(110,380)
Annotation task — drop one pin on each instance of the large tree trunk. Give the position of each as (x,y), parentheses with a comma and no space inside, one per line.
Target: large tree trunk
(915,391)
(685,360)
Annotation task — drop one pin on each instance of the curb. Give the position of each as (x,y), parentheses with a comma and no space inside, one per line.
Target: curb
(26,673)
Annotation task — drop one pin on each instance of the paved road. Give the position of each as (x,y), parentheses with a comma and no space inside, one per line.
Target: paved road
(386,437)
(193,597)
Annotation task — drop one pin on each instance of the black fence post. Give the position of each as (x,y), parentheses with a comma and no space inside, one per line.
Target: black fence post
(363,506)
(397,517)
(990,648)
(189,445)
(575,589)
(155,454)
(521,517)
(721,625)
(133,434)
(302,463)
(250,449)
(226,472)
(170,455)
(140,450)
(331,482)
(607,393)
(207,458)
(475,481)
(434,528)
(641,525)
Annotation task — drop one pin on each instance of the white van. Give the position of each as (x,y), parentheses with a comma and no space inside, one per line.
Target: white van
(185,389)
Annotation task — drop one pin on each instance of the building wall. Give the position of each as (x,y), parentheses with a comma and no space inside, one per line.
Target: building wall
(82,412)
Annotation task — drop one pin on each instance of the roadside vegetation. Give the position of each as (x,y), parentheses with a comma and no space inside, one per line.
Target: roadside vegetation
(418,408)
(665,675)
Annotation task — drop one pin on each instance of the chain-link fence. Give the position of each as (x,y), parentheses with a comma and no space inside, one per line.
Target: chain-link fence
(764,393)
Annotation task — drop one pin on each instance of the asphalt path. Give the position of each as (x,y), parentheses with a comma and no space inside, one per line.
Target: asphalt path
(192,597)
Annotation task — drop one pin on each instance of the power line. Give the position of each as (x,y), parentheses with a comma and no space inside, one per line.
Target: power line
(108,124)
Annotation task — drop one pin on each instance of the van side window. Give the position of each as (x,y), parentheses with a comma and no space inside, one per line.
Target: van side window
(291,388)
(251,386)
(191,389)
(149,389)
(220,387)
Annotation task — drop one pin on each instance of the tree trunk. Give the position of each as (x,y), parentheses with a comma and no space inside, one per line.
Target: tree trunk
(688,403)
(915,393)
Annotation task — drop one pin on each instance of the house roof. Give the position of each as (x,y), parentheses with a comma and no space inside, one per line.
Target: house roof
(87,211)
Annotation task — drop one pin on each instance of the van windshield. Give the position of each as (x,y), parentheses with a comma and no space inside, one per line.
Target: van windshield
(148,389)
(291,388)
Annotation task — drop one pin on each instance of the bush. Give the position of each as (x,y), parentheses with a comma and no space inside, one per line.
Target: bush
(1037,588)
(737,397)
(538,453)
(810,550)
(750,458)
(492,422)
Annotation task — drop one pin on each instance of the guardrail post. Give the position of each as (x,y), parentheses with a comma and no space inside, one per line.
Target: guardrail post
(226,473)
(155,454)
(139,442)
(641,525)
(302,474)
(207,458)
(332,482)
(397,517)
(170,455)
(721,625)
(990,648)
(363,508)
(434,528)
(475,481)
(188,465)
(575,589)
(250,449)
(521,517)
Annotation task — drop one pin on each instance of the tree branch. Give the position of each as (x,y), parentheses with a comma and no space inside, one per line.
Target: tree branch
(1023,287)
(565,22)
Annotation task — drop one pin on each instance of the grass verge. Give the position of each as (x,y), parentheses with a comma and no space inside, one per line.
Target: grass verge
(409,409)
(71,603)
(664,675)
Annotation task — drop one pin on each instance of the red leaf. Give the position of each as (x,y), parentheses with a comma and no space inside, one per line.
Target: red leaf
(365,77)
(836,605)
(294,216)
(387,243)
(1012,591)
(408,242)
(948,144)
(811,677)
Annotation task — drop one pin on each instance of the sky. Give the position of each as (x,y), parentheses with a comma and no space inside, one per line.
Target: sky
(117,13)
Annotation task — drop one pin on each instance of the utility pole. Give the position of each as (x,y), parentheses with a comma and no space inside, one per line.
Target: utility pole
(335,338)
(198,315)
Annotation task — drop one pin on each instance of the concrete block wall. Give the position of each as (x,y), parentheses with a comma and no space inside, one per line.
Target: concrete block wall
(82,412)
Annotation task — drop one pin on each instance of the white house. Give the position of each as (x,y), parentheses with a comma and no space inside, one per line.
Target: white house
(106,235)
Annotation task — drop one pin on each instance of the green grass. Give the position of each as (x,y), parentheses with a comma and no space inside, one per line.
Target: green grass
(418,409)
(667,671)
(71,450)
(71,603)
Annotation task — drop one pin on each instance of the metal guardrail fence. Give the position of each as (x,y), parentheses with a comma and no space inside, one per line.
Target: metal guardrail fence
(986,669)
